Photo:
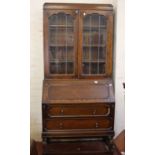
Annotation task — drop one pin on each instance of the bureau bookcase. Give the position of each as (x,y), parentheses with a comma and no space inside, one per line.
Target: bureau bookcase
(78,99)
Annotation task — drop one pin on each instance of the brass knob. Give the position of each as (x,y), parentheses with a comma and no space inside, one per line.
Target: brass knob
(76,11)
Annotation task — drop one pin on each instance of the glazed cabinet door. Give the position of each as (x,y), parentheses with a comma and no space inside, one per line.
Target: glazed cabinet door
(60,43)
(96,31)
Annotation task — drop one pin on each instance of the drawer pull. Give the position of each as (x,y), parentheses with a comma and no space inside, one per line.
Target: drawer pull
(94,112)
(108,112)
(61,125)
(62,111)
(97,125)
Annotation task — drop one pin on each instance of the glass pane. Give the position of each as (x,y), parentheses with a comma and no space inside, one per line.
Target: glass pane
(94,54)
(70,54)
(94,44)
(86,21)
(95,20)
(103,20)
(69,20)
(86,54)
(53,68)
(57,68)
(101,68)
(102,37)
(70,68)
(94,68)
(61,44)
(61,68)
(86,68)
(102,52)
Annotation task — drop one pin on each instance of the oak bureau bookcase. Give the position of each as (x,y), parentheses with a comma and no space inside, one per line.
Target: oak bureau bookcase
(78,99)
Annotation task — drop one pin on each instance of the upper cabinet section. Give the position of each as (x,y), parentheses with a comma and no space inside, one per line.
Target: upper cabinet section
(78,41)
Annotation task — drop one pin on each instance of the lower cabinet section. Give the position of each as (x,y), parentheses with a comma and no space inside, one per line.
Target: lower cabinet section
(76,114)
(78,108)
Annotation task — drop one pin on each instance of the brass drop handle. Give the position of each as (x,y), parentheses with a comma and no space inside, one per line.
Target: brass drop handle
(61,125)
(97,125)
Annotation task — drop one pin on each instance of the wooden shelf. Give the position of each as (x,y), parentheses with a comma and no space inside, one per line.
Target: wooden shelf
(61,45)
(93,61)
(61,61)
(88,26)
(95,45)
(61,26)
(91,74)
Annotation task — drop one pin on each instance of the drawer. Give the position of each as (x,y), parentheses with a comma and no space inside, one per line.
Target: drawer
(77,148)
(77,110)
(78,123)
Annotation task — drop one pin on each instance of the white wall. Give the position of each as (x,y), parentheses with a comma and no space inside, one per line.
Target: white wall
(36,58)
(119,64)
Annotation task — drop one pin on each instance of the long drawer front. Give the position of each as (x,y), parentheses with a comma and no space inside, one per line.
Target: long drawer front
(78,123)
(77,148)
(51,111)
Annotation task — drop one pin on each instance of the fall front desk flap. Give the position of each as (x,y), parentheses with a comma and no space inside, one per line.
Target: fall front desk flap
(78,91)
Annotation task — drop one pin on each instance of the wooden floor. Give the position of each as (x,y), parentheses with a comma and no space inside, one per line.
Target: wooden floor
(77,148)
